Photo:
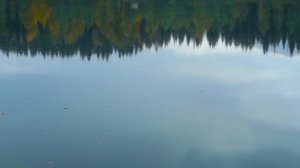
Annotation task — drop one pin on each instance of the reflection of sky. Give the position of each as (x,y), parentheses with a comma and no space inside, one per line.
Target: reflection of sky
(179,107)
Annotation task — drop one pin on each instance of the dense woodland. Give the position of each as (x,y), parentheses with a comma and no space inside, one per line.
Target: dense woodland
(102,27)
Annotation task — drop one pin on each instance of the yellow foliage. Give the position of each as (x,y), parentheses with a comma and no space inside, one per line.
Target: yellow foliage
(74,29)
(38,12)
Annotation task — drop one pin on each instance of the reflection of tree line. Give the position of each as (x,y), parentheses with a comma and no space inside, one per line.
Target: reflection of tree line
(66,27)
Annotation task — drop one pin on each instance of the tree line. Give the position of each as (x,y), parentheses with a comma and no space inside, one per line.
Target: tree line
(102,27)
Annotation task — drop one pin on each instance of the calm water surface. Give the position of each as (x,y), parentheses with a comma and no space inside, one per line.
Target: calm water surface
(179,106)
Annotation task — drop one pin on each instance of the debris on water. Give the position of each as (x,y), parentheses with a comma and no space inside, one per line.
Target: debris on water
(2,114)
(50,162)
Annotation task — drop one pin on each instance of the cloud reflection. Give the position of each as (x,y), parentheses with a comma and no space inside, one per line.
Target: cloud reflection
(275,158)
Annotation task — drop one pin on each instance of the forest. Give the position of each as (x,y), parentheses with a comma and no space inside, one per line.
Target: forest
(102,27)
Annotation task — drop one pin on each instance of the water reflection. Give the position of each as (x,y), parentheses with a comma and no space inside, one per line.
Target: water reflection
(188,102)
(275,158)
(220,109)
(103,27)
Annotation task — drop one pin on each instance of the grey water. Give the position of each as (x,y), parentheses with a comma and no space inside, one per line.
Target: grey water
(179,107)
(149,84)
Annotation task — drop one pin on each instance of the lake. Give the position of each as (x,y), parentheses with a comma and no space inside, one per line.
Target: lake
(149,84)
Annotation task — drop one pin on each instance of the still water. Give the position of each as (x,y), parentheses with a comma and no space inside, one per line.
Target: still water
(161,95)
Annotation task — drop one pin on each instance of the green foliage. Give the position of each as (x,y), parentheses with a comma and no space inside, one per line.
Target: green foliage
(62,27)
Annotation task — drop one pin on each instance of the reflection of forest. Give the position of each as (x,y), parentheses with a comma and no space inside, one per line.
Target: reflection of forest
(64,27)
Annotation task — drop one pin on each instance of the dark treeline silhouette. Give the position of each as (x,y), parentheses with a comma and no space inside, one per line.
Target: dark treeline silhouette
(102,27)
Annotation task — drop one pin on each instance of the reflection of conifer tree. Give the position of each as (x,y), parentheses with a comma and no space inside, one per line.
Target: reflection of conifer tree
(212,36)
(103,27)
